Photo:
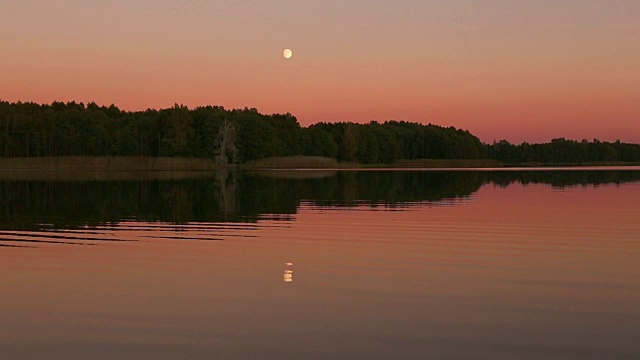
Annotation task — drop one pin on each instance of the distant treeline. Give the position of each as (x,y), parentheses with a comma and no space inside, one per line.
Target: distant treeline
(243,135)
(563,151)
(72,129)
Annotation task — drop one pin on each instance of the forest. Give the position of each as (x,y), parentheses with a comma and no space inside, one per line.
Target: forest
(243,135)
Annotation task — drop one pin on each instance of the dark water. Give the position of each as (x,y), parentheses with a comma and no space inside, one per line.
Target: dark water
(321,265)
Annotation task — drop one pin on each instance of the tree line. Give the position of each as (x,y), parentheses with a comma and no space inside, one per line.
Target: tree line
(563,151)
(242,135)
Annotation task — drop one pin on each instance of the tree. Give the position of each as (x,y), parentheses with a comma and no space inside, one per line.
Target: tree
(225,143)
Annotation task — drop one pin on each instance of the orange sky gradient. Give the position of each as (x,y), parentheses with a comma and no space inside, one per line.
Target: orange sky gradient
(524,71)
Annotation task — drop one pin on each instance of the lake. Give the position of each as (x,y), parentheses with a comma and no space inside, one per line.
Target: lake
(380,264)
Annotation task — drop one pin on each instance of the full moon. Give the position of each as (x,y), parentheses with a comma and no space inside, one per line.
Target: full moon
(287,53)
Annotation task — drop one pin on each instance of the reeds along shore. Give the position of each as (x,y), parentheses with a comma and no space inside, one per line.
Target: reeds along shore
(293,162)
(120,163)
(141,164)
(128,163)
(132,163)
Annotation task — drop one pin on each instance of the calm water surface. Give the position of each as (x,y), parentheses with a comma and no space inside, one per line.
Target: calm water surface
(321,265)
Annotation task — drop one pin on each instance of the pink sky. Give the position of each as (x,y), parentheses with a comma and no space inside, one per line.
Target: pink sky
(526,70)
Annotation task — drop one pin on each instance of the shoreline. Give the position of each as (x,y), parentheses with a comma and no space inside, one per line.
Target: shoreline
(145,164)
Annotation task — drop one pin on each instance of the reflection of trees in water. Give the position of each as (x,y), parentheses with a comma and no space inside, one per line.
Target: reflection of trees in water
(392,188)
(236,197)
(227,191)
(560,179)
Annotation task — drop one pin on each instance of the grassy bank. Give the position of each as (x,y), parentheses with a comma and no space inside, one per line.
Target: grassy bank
(108,163)
(317,162)
(293,162)
(298,174)
(311,162)
(99,175)
(447,163)
(585,163)
(125,163)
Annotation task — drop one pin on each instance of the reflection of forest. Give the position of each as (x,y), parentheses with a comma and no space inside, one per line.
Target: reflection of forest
(235,197)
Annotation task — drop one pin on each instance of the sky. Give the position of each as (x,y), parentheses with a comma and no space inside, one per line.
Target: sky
(527,70)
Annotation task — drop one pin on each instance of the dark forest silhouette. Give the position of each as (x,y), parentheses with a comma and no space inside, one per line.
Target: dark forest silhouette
(240,136)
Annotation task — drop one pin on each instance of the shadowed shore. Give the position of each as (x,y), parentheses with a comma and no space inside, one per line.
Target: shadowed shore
(132,163)
(107,163)
(85,166)
(99,175)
